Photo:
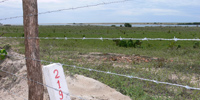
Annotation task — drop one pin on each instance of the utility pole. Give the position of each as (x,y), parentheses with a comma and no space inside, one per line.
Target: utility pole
(34,70)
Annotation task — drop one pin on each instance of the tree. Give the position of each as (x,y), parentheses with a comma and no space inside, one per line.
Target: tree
(127,25)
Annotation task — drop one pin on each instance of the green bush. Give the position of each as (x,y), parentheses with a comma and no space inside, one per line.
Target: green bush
(113,25)
(137,44)
(196,45)
(172,45)
(129,43)
(3,54)
(123,43)
(22,35)
(127,25)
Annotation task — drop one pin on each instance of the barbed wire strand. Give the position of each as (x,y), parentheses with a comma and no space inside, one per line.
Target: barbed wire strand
(86,6)
(39,83)
(84,38)
(127,76)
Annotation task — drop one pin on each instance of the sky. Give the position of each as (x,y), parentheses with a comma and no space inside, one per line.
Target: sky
(129,11)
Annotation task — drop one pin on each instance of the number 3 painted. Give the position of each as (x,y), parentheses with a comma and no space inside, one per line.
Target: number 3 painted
(56,73)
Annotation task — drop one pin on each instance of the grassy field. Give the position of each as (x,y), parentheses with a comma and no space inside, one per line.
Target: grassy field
(167,61)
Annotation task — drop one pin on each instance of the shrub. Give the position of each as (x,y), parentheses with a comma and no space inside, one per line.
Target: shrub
(137,44)
(22,35)
(113,25)
(179,46)
(116,42)
(129,43)
(196,45)
(172,45)
(127,25)
(123,43)
(3,54)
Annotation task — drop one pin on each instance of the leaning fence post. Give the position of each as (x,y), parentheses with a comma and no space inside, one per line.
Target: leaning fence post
(34,70)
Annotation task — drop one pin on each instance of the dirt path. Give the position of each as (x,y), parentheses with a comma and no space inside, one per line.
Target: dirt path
(15,88)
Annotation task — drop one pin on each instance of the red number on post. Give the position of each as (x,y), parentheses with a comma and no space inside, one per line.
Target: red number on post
(56,73)
(59,84)
(61,94)
(56,77)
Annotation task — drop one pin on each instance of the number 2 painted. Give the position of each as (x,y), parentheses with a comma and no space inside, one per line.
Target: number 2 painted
(56,73)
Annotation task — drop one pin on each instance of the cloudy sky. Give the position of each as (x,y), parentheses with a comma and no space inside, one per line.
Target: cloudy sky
(130,11)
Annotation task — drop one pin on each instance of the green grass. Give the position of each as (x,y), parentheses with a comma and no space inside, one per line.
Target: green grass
(181,66)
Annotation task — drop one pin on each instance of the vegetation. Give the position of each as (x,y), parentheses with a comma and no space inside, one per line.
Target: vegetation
(3,54)
(129,43)
(127,25)
(168,61)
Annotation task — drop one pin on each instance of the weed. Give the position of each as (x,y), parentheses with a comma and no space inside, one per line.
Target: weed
(3,54)
(196,45)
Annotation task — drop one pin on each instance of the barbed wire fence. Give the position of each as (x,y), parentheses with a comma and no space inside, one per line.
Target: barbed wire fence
(85,38)
(111,73)
(99,71)
(104,3)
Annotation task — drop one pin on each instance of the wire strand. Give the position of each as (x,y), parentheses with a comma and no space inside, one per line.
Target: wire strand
(86,6)
(84,38)
(127,76)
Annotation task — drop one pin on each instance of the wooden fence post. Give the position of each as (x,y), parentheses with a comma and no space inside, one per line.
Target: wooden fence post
(34,70)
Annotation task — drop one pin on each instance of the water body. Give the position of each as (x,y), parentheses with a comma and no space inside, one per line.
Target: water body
(118,25)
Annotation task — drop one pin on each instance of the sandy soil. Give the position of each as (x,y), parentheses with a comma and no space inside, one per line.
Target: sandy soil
(15,88)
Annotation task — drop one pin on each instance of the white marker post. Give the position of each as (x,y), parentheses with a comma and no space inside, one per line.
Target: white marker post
(55,77)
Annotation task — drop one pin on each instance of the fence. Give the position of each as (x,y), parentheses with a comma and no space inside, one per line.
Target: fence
(90,69)
(85,38)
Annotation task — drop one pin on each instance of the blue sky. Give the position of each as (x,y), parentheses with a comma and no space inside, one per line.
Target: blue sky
(130,11)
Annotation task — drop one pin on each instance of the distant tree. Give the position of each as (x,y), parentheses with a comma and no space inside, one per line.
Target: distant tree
(120,26)
(127,25)
(113,25)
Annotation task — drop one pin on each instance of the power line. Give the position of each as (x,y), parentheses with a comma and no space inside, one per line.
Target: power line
(86,6)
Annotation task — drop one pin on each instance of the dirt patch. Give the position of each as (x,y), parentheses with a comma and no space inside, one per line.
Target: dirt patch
(116,60)
(119,58)
(16,88)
